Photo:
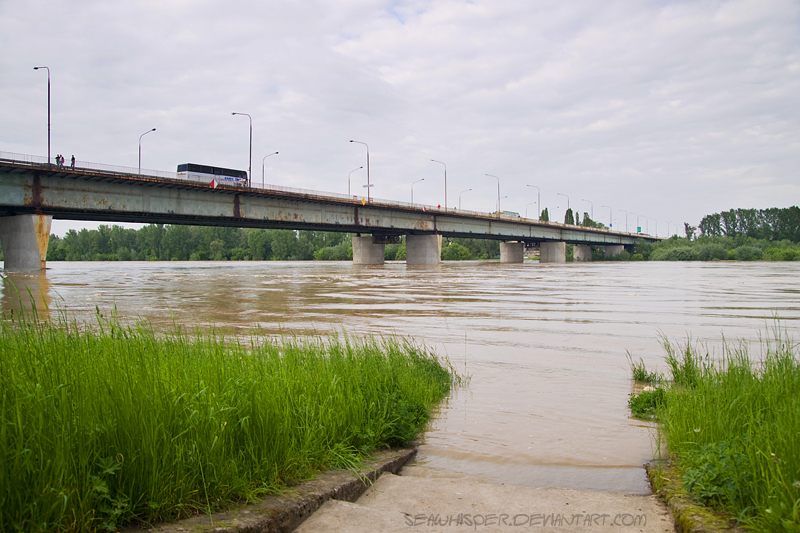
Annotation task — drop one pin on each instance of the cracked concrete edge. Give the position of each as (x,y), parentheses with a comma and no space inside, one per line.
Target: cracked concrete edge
(689,515)
(282,514)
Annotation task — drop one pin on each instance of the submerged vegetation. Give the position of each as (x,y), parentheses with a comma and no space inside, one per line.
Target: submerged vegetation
(110,424)
(732,427)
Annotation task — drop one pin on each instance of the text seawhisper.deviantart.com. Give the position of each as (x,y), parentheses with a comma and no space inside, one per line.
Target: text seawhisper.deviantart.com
(526,520)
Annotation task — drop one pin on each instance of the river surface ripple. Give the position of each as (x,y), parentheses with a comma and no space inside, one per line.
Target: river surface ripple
(545,345)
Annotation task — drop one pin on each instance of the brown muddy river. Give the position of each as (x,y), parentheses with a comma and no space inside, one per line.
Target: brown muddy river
(545,345)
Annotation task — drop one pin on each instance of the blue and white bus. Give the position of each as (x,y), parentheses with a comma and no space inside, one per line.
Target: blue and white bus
(207,174)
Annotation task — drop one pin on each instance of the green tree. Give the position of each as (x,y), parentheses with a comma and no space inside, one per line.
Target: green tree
(569,217)
(258,243)
(455,252)
(545,217)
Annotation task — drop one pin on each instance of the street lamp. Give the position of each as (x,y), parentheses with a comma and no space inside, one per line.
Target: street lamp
(140,147)
(445,182)
(498,192)
(262,167)
(526,209)
(538,203)
(412,190)
(610,216)
(250,167)
(637,221)
(592,208)
(368,184)
(668,223)
(348,179)
(626,219)
(48,111)
(656,228)
(562,194)
(459,198)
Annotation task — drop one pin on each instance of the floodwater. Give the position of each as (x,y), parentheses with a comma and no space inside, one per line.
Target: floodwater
(545,345)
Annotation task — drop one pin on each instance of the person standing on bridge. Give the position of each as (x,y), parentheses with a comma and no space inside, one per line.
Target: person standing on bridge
(72,161)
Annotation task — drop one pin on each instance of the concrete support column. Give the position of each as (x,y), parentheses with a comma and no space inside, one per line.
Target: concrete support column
(512,252)
(24,239)
(367,252)
(582,252)
(423,249)
(614,249)
(553,252)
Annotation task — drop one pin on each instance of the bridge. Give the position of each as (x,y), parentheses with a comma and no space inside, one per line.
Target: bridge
(33,192)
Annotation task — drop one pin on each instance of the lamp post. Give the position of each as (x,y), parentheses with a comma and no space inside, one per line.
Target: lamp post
(445,182)
(48,111)
(526,208)
(626,219)
(668,223)
(368,184)
(140,147)
(562,194)
(610,216)
(250,167)
(656,226)
(459,198)
(498,192)
(592,207)
(538,203)
(262,167)
(412,190)
(348,179)
(637,221)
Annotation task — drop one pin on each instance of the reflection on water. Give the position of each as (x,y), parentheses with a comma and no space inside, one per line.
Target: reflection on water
(25,293)
(545,344)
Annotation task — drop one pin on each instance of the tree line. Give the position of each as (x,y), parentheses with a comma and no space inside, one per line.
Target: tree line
(773,224)
(573,218)
(158,242)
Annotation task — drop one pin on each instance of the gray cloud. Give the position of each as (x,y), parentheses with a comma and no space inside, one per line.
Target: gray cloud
(672,110)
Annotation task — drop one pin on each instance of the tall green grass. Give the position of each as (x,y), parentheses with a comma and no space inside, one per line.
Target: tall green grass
(733,426)
(107,424)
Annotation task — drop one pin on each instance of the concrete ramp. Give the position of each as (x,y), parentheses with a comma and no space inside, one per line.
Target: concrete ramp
(410,503)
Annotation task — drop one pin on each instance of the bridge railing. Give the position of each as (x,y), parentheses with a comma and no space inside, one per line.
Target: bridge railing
(40,161)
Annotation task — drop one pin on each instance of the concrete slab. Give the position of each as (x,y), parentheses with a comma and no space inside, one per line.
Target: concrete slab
(423,249)
(25,239)
(512,252)
(582,252)
(367,252)
(411,503)
(553,252)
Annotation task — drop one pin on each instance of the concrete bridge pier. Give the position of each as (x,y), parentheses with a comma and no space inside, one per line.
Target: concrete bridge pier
(512,252)
(366,251)
(553,252)
(582,252)
(24,239)
(614,249)
(423,249)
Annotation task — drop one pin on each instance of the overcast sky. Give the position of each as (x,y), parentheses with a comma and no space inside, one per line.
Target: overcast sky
(671,110)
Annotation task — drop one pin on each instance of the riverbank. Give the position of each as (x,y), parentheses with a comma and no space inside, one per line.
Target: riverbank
(105,424)
(730,426)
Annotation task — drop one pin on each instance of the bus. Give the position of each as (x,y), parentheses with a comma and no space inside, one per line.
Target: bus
(207,174)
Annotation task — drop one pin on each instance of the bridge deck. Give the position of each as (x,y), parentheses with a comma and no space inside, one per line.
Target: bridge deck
(100,195)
